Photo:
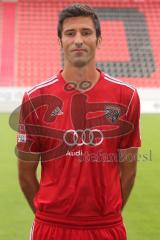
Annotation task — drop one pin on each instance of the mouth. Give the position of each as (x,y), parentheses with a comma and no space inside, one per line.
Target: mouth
(78,50)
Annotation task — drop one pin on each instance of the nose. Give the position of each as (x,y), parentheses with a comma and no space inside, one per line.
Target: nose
(78,40)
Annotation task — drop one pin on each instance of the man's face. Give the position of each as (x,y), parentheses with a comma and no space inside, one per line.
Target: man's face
(79,41)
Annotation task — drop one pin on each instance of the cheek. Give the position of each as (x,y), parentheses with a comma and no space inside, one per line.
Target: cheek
(91,43)
(93,47)
(68,41)
(67,46)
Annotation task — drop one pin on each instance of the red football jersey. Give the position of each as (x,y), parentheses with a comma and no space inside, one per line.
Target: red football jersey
(78,134)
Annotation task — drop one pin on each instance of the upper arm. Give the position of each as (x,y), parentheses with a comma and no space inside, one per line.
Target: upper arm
(128,161)
(27,150)
(27,169)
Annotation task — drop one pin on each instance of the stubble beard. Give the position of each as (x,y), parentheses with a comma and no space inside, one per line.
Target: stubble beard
(81,62)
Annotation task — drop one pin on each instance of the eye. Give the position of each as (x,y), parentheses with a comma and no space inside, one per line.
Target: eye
(69,33)
(86,33)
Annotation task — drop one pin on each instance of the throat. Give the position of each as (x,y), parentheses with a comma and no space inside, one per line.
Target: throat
(84,80)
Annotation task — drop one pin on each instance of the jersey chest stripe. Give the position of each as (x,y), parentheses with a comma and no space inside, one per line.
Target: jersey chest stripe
(44,82)
(43,85)
(118,82)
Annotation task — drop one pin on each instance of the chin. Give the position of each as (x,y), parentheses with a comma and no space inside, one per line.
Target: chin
(80,63)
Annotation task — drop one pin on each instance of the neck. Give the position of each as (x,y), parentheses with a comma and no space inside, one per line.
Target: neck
(87,73)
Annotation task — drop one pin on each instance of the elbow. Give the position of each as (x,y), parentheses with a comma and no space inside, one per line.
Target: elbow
(131,178)
(24,181)
(133,175)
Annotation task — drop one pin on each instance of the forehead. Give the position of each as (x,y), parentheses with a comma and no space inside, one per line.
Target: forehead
(78,23)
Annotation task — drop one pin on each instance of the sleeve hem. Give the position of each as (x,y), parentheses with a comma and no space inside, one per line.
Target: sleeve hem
(128,148)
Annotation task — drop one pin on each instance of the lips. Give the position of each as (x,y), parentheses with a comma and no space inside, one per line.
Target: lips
(78,50)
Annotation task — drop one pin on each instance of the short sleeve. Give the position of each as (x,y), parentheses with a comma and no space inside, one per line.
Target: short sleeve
(27,137)
(133,138)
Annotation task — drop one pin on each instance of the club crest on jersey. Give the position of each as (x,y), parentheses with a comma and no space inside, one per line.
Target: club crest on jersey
(57,111)
(21,138)
(112,112)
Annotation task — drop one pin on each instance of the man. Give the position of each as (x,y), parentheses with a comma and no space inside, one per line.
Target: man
(83,125)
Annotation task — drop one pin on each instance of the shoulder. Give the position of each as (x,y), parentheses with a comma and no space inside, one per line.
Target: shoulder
(118,83)
(126,92)
(43,86)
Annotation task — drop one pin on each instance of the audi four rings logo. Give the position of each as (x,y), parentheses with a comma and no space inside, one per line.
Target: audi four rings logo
(79,137)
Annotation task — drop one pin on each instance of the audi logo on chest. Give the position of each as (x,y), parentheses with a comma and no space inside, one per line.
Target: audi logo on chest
(79,137)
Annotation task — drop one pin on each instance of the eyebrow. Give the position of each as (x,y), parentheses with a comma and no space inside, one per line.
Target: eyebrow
(73,29)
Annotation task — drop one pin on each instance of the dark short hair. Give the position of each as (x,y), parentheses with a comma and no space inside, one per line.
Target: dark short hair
(77,10)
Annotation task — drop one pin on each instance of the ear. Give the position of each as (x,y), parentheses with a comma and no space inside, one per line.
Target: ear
(99,41)
(60,42)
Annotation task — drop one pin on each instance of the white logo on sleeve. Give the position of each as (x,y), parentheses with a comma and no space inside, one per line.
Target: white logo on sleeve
(21,138)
